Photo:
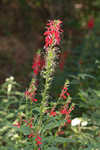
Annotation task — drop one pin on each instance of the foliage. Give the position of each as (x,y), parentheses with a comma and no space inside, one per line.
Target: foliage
(40,116)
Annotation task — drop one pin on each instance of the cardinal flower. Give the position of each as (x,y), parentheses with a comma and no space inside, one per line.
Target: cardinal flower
(52,113)
(38,64)
(91,23)
(28,123)
(17,124)
(64,91)
(52,34)
(38,140)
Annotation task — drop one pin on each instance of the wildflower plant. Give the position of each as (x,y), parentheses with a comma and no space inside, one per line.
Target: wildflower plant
(45,121)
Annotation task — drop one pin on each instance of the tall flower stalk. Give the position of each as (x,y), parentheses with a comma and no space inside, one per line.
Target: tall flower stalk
(47,111)
(52,39)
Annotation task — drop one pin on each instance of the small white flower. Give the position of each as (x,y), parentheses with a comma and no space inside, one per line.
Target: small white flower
(76,122)
(7,79)
(12,78)
(84,123)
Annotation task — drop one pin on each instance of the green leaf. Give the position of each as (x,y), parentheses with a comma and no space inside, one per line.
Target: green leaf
(52,148)
(63,140)
(53,124)
(25,130)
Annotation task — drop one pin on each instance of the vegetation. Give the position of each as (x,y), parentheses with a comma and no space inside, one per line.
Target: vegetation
(60,108)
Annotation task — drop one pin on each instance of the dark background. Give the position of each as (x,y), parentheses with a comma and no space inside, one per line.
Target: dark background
(22,23)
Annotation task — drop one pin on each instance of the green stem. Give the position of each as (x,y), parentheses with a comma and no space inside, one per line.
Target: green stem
(26,111)
(42,107)
(31,110)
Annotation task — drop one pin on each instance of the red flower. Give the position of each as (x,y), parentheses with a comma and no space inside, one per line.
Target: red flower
(35,100)
(31,95)
(64,91)
(64,111)
(28,123)
(53,33)
(52,113)
(27,93)
(31,135)
(36,64)
(17,124)
(91,23)
(38,140)
(68,121)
